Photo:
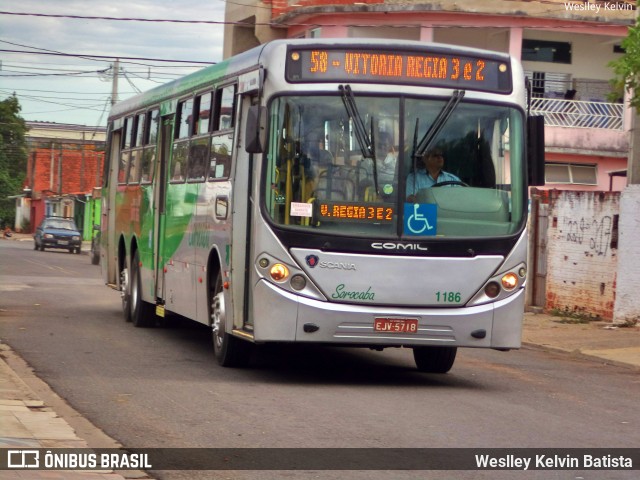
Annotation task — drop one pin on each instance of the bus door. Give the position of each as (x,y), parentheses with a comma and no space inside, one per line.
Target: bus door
(243,204)
(161,201)
(108,212)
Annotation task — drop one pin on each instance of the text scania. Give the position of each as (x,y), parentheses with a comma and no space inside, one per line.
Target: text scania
(338,265)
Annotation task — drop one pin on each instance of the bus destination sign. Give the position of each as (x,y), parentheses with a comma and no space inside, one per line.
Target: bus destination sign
(435,69)
(355,212)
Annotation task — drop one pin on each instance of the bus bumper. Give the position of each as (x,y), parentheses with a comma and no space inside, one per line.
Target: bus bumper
(291,318)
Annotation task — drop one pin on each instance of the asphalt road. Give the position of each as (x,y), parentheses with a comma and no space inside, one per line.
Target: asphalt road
(161,387)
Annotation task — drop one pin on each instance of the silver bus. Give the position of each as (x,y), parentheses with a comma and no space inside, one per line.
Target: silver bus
(356,192)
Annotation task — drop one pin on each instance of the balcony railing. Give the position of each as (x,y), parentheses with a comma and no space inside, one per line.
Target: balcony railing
(574,113)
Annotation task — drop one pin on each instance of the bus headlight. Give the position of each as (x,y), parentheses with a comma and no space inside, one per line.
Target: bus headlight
(502,285)
(286,276)
(279,272)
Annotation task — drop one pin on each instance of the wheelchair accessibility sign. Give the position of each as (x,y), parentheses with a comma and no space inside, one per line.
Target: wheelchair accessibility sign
(420,218)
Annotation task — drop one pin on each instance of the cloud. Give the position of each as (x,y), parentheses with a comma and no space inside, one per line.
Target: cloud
(176,41)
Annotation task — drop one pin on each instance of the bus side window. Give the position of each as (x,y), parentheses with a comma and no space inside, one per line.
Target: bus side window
(225,103)
(149,141)
(179,161)
(181,143)
(136,152)
(220,156)
(198,156)
(202,114)
(134,166)
(185,111)
(123,168)
(128,133)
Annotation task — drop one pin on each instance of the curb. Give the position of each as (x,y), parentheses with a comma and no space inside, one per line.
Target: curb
(577,353)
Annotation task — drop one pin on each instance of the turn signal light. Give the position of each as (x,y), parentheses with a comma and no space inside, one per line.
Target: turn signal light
(279,272)
(509,281)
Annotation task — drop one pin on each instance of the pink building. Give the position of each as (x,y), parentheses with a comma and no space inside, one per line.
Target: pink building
(565,47)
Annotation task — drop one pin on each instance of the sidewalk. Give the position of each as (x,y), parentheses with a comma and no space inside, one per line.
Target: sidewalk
(26,421)
(603,342)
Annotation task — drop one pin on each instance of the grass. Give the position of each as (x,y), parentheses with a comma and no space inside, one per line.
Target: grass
(574,317)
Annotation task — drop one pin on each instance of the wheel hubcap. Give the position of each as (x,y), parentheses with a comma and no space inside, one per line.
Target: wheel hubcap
(217,318)
(124,283)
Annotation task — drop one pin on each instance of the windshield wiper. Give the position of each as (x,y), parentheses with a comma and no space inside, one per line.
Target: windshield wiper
(419,149)
(366,142)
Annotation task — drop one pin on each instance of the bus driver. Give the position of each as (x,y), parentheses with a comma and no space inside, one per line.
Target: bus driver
(432,174)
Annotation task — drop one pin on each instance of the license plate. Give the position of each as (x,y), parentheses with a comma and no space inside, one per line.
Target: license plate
(395,325)
(63,242)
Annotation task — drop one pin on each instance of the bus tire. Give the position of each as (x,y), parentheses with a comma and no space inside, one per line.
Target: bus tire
(142,313)
(228,350)
(434,359)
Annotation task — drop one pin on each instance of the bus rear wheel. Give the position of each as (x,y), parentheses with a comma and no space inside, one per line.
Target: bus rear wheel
(434,359)
(142,313)
(228,350)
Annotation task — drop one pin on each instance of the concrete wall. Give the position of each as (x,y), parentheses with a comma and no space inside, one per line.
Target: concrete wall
(582,252)
(627,308)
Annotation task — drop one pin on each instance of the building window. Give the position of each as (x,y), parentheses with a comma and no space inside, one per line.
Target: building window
(546,51)
(549,84)
(571,173)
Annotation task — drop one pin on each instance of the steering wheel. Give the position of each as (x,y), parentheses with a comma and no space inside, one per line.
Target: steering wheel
(450,182)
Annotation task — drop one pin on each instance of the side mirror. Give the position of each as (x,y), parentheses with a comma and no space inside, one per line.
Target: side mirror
(535,150)
(254,138)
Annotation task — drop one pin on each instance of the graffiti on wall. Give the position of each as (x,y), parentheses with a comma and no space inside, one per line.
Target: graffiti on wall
(595,232)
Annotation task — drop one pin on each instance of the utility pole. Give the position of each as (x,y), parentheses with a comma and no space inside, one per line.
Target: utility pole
(114,82)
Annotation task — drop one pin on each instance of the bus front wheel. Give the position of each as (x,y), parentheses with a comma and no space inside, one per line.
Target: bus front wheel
(228,350)
(434,359)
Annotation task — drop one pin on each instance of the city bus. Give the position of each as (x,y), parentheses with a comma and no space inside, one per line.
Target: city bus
(280,196)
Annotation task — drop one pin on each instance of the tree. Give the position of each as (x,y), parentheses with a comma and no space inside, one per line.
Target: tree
(13,157)
(627,67)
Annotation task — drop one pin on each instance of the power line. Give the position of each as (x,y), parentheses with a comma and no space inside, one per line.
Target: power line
(123,19)
(46,51)
(109,57)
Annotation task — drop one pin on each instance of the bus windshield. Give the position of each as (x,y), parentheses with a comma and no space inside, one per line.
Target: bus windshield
(395,167)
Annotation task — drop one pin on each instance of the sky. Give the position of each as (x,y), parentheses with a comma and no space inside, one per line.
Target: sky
(76,90)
